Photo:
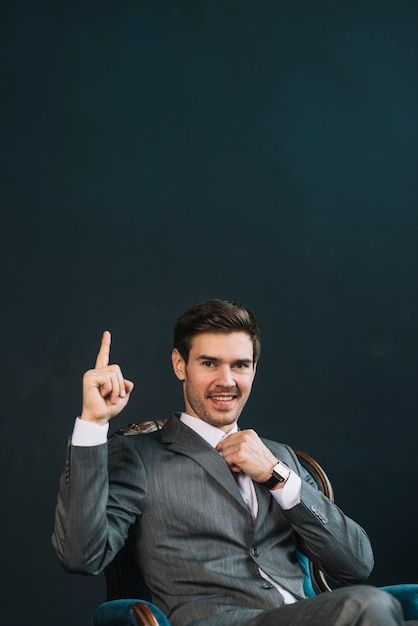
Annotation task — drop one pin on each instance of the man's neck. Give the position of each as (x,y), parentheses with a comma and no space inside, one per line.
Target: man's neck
(211,434)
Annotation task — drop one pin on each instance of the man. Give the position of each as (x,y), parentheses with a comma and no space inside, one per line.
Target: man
(214,514)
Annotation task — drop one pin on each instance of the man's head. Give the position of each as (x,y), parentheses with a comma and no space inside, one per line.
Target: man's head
(215,316)
(216,348)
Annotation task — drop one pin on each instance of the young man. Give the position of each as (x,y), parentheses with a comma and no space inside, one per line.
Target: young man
(214,514)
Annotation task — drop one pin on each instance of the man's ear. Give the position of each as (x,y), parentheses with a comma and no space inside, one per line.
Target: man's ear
(179,364)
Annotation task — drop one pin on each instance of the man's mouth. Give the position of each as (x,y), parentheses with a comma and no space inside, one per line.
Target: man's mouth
(223,398)
(223,401)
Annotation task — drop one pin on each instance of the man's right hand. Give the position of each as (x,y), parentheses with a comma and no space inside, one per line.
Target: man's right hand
(105,391)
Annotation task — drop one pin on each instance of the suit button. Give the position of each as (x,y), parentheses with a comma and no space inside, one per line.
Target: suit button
(267,585)
(255,552)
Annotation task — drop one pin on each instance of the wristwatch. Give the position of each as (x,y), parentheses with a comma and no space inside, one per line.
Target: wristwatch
(279,474)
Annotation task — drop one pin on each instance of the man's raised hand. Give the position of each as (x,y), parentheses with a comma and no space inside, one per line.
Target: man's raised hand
(105,391)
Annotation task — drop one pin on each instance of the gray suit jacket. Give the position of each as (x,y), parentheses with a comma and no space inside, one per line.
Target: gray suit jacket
(172,497)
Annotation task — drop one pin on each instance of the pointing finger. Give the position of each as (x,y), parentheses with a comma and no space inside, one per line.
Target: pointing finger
(104,352)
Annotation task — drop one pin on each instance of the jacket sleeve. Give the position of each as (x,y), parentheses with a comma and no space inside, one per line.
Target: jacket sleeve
(330,539)
(93,513)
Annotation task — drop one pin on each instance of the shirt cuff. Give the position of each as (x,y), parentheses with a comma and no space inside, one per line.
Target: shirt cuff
(289,495)
(89,434)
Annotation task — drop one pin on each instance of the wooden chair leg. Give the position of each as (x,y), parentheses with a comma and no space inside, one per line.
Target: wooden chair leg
(143,614)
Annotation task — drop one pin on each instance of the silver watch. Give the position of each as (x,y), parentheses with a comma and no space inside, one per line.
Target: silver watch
(279,474)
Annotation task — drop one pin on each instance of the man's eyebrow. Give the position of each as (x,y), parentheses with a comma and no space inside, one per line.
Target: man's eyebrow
(206,357)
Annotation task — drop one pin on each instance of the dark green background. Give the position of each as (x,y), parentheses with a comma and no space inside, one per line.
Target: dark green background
(155,154)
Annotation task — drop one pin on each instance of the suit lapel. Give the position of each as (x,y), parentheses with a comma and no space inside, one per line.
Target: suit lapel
(263,499)
(180,439)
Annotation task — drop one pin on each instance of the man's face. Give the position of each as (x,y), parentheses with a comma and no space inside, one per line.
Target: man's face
(218,376)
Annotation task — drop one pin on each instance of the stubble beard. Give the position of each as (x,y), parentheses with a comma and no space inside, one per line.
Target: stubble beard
(214,418)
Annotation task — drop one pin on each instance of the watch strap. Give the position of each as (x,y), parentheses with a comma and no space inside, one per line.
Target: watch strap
(272,482)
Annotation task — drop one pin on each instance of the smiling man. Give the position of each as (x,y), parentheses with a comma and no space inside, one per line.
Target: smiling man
(215,515)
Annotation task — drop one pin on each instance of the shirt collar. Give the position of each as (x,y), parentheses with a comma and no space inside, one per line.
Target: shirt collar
(211,434)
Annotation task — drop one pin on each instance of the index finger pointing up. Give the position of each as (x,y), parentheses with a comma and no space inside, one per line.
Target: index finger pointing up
(104,352)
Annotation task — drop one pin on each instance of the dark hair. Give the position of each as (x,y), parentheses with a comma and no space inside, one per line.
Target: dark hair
(215,316)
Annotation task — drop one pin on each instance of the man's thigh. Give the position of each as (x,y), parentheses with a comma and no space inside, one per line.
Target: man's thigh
(359,605)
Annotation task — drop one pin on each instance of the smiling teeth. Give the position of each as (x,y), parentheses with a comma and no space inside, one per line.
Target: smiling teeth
(227,398)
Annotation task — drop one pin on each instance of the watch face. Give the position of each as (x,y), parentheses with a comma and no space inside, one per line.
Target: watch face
(281,472)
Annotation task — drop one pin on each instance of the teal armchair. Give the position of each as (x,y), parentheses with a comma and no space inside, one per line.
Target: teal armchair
(125,584)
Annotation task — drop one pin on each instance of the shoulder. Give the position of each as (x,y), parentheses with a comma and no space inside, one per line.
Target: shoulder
(134,440)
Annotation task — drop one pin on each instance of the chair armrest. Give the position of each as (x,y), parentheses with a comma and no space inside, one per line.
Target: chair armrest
(407,594)
(129,612)
(143,614)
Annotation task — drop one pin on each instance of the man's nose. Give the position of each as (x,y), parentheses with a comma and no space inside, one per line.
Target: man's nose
(225,377)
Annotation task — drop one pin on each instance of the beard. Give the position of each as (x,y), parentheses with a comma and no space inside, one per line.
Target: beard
(200,406)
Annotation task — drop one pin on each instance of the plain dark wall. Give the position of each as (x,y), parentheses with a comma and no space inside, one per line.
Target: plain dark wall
(155,154)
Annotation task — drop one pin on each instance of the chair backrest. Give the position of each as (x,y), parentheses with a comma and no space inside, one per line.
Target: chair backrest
(123,578)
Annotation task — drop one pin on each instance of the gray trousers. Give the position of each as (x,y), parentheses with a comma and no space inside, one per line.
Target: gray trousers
(359,605)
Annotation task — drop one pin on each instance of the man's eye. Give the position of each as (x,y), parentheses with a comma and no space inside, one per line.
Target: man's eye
(241,365)
(208,363)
